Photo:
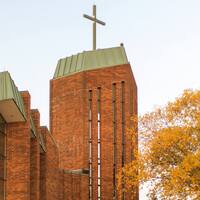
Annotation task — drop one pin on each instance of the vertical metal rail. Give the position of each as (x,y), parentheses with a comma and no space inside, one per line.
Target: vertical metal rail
(114,140)
(99,140)
(123,129)
(90,142)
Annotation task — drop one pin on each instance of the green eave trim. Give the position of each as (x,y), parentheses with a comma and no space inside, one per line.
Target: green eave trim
(33,130)
(8,90)
(89,60)
(41,141)
(38,136)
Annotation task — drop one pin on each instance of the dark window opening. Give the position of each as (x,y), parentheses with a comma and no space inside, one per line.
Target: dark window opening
(114,140)
(99,141)
(123,129)
(90,141)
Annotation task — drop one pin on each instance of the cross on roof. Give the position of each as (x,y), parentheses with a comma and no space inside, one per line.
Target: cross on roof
(95,20)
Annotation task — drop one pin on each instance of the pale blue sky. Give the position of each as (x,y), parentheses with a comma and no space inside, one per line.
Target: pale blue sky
(161,37)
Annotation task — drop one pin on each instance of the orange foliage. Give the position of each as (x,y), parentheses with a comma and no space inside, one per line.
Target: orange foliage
(169,155)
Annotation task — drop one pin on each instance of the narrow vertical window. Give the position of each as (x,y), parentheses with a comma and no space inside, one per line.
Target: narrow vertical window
(99,140)
(90,141)
(123,121)
(2,158)
(131,114)
(123,128)
(114,139)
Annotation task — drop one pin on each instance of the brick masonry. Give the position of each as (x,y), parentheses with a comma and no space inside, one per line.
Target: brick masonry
(69,121)
(42,177)
(60,171)
(51,171)
(18,157)
(35,159)
(75,186)
(31,173)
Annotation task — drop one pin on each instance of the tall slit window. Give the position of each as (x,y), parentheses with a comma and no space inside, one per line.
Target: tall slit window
(114,139)
(123,128)
(99,140)
(2,158)
(131,114)
(123,121)
(90,141)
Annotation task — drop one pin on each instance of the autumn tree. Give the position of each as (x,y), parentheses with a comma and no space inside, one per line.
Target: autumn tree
(168,160)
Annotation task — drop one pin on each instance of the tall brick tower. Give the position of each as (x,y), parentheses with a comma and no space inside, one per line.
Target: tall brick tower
(92,97)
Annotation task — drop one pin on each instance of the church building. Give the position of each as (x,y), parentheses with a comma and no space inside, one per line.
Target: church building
(93,95)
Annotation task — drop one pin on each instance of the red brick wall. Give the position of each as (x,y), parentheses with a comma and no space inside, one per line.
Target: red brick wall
(43,162)
(18,156)
(35,159)
(43,176)
(66,119)
(75,186)
(104,78)
(69,120)
(52,176)
(84,187)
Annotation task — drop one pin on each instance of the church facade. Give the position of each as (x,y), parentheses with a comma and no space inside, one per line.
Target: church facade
(92,97)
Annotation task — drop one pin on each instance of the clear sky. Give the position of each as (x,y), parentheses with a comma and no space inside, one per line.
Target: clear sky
(161,37)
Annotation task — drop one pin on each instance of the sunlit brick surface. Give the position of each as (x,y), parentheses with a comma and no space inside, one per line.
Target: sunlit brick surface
(18,157)
(35,160)
(69,124)
(61,170)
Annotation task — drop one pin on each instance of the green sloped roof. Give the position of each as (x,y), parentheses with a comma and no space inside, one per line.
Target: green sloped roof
(39,136)
(89,60)
(33,126)
(8,90)
(41,141)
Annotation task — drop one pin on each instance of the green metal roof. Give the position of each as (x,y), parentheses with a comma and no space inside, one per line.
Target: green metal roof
(33,129)
(34,134)
(89,60)
(41,141)
(8,90)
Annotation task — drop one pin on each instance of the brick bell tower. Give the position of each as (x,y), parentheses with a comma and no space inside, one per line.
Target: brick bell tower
(92,97)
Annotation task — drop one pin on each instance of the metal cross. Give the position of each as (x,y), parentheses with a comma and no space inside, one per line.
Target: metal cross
(95,20)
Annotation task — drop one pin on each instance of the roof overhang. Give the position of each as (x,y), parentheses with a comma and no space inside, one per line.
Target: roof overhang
(83,171)
(11,102)
(10,111)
